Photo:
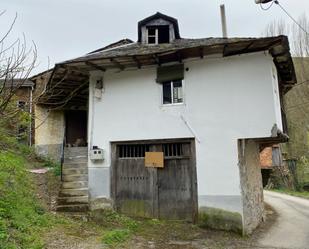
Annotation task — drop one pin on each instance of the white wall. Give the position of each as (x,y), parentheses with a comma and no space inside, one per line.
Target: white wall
(276,93)
(225,99)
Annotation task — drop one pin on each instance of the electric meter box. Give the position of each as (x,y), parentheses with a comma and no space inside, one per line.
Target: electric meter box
(96,154)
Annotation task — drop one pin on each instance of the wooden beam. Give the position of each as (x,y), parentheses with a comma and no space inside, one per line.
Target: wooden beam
(95,66)
(201,50)
(121,67)
(156,59)
(179,56)
(237,52)
(138,63)
(75,69)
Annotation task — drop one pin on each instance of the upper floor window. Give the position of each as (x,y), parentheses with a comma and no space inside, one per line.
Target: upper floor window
(158,34)
(172,92)
(171,77)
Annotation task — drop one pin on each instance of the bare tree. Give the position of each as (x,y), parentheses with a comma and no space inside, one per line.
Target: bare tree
(300,39)
(16,64)
(296,101)
(277,27)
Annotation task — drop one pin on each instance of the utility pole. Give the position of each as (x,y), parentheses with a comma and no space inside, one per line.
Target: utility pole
(223,21)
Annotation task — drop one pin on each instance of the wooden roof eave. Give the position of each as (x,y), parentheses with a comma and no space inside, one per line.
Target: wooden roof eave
(122,62)
(278,48)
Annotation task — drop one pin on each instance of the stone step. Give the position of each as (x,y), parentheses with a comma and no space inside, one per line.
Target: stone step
(74,171)
(73,192)
(73,208)
(73,200)
(77,165)
(75,149)
(73,178)
(73,185)
(77,159)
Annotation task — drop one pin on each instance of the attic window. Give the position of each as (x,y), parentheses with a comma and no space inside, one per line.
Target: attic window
(158,34)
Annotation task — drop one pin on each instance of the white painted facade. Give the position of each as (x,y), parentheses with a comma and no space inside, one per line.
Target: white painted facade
(225,99)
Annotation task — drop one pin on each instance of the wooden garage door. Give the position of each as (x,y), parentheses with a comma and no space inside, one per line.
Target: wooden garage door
(168,192)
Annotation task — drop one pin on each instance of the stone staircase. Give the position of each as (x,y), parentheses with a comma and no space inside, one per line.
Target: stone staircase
(73,195)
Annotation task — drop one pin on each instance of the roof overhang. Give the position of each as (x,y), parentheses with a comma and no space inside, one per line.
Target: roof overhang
(278,47)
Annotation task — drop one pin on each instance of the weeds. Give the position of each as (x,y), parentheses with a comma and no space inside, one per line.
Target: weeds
(116,236)
(119,228)
(303,194)
(50,163)
(21,217)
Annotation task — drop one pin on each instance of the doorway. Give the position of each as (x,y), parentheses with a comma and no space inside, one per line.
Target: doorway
(76,128)
(169,192)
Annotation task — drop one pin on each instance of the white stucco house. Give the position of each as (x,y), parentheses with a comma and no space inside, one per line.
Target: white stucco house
(207,106)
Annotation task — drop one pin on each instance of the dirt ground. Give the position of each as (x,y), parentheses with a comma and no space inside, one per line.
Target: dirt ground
(72,233)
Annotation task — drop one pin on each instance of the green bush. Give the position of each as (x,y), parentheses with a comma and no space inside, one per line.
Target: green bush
(303,171)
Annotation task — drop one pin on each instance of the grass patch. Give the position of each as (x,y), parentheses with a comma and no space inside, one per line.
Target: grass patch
(47,162)
(302,194)
(21,217)
(112,219)
(116,236)
(117,228)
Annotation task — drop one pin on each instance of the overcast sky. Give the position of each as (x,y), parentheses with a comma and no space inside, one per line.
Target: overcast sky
(64,29)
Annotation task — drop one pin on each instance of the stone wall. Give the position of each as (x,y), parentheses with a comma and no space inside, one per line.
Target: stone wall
(251,184)
(49,132)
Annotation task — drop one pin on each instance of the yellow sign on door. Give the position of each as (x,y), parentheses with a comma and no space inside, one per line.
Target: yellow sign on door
(154,159)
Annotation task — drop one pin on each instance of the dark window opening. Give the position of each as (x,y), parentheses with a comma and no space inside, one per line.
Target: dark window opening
(21,132)
(151,31)
(22,129)
(167,93)
(132,150)
(158,34)
(151,40)
(172,92)
(21,104)
(164,34)
(173,149)
(152,35)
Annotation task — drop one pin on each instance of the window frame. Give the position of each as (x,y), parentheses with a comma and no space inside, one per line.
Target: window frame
(172,93)
(156,36)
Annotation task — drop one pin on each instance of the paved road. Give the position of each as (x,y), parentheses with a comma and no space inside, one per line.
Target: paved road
(291,229)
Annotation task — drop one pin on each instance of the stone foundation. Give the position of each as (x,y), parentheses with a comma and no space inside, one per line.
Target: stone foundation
(52,151)
(49,132)
(251,184)
(220,219)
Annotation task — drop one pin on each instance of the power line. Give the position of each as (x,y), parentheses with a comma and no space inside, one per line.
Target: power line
(261,5)
(290,16)
(286,12)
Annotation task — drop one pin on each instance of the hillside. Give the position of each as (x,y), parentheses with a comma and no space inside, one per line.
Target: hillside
(296,103)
